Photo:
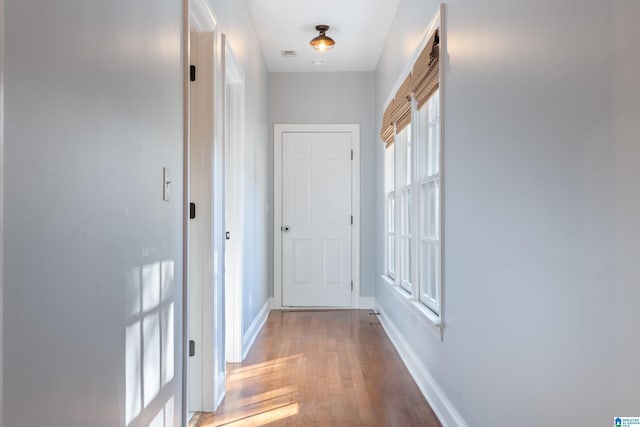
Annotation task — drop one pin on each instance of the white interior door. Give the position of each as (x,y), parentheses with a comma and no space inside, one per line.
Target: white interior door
(316,219)
(199,190)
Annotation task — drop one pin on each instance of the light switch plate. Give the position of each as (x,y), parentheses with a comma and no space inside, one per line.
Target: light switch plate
(166,181)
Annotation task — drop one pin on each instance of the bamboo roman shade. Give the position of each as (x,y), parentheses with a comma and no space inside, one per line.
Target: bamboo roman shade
(422,82)
(398,112)
(426,71)
(387,125)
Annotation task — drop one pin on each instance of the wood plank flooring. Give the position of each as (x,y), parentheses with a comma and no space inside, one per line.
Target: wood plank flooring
(321,368)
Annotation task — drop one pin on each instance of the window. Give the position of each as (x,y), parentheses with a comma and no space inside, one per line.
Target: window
(390,209)
(415,251)
(413,232)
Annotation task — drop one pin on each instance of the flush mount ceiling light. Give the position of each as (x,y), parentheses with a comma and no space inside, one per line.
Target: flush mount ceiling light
(322,42)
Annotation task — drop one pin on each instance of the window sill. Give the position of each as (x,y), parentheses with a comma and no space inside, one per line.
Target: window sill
(430,320)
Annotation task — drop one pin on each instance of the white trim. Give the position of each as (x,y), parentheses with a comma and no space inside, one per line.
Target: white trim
(234,200)
(220,388)
(441,90)
(201,17)
(426,317)
(366,303)
(184,359)
(255,327)
(1,203)
(278,129)
(440,403)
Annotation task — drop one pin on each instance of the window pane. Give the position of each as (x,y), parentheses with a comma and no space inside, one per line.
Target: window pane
(434,149)
(424,203)
(391,245)
(431,270)
(391,212)
(433,209)
(408,211)
(403,155)
(409,158)
(430,275)
(434,106)
(405,259)
(389,168)
(424,268)
(423,141)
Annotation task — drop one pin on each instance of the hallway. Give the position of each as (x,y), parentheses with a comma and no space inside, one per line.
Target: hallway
(325,368)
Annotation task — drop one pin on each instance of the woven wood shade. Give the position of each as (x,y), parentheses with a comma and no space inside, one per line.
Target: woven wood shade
(398,112)
(422,82)
(426,75)
(402,101)
(387,125)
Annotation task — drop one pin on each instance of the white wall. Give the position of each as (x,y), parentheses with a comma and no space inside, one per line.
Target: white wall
(541,206)
(93,266)
(235,21)
(336,98)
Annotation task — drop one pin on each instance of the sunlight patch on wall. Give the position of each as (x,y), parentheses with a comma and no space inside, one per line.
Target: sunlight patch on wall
(133,387)
(150,345)
(151,356)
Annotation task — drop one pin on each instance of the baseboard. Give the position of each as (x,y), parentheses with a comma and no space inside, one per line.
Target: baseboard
(365,303)
(256,325)
(220,389)
(441,405)
(192,418)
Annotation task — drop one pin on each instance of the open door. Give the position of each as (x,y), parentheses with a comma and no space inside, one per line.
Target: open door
(204,315)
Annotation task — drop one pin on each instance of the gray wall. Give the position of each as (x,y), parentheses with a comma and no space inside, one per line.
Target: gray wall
(336,98)
(541,110)
(93,111)
(235,21)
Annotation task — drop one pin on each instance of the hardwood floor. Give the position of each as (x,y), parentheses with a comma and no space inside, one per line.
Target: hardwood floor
(322,368)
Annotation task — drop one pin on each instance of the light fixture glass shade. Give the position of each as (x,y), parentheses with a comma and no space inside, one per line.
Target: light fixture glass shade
(322,42)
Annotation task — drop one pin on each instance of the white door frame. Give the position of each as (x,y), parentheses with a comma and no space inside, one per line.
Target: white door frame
(278,130)
(1,198)
(200,19)
(234,89)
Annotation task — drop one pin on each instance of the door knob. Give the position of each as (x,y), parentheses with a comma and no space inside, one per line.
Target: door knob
(285,228)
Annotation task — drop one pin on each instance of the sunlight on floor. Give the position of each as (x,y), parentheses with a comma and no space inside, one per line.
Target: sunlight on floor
(263,406)
(263,368)
(262,397)
(249,418)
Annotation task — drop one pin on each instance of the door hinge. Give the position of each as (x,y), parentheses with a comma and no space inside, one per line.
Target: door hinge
(192,73)
(192,210)
(192,348)
(351,154)
(351,219)
(227,235)
(352,285)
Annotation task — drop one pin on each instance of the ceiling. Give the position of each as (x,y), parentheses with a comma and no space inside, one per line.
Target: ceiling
(359,28)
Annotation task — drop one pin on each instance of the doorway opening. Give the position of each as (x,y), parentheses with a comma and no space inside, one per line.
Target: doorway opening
(214,211)
(234,89)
